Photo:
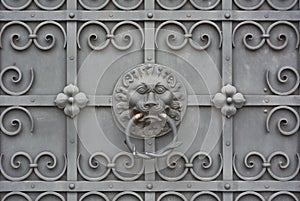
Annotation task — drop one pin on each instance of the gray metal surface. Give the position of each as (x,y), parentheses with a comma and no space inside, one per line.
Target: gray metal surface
(229,132)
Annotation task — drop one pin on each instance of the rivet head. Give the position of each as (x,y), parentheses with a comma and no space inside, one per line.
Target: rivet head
(267,100)
(72,141)
(227,143)
(111,15)
(265,111)
(32,100)
(227,58)
(32,186)
(111,186)
(149,58)
(188,15)
(150,15)
(71,58)
(32,15)
(189,185)
(227,186)
(267,186)
(72,15)
(265,89)
(266,15)
(227,15)
(149,186)
(72,186)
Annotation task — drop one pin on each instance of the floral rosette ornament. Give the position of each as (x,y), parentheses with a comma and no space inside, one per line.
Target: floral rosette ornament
(228,100)
(71,100)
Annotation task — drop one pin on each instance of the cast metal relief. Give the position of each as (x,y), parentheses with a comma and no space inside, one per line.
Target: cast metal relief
(71,100)
(149,101)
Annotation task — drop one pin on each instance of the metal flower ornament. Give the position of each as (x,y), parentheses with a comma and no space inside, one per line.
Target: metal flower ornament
(228,100)
(71,100)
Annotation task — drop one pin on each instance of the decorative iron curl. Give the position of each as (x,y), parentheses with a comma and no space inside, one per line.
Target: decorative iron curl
(172,193)
(101,195)
(282,78)
(87,7)
(206,165)
(266,164)
(265,35)
(128,164)
(55,194)
(15,80)
(27,3)
(188,35)
(277,194)
(32,166)
(21,194)
(32,35)
(110,35)
(199,194)
(134,194)
(94,164)
(284,121)
(15,122)
(255,194)
(171,164)
(261,2)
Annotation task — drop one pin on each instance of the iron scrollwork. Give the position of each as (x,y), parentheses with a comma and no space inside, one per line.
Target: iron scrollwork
(33,166)
(283,79)
(33,36)
(253,6)
(265,36)
(28,198)
(266,165)
(149,101)
(15,80)
(207,5)
(122,162)
(201,43)
(110,35)
(262,198)
(39,4)
(181,165)
(15,123)
(284,121)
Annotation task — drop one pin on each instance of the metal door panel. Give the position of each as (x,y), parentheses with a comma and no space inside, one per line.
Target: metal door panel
(67,71)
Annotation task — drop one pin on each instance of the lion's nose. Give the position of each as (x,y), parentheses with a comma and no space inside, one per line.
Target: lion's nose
(151,100)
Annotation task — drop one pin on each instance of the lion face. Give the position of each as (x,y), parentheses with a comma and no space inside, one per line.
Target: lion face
(150,91)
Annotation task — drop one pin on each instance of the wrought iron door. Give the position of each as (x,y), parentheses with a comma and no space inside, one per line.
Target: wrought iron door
(149,100)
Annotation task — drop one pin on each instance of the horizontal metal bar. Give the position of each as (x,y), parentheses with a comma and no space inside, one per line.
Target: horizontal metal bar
(106,100)
(271,100)
(158,186)
(158,15)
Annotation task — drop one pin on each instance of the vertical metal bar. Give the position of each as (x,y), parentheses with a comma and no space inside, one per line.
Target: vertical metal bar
(71,78)
(227,79)
(149,54)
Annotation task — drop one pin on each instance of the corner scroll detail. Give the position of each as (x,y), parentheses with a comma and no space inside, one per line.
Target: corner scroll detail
(71,100)
(228,100)
(15,80)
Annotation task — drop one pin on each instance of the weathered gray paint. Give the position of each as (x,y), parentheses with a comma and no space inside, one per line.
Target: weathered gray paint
(242,83)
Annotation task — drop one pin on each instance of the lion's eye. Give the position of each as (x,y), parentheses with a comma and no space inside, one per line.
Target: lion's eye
(142,89)
(160,89)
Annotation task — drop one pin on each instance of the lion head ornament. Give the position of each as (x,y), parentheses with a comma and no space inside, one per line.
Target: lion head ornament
(148,91)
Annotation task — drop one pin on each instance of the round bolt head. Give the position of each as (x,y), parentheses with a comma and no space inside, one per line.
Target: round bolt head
(227,186)
(72,15)
(72,186)
(227,15)
(150,15)
(149,186)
